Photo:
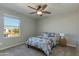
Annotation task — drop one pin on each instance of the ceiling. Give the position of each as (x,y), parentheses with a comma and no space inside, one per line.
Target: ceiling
(54,8)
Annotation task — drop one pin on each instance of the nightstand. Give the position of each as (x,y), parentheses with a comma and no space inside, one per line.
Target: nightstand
(62,41)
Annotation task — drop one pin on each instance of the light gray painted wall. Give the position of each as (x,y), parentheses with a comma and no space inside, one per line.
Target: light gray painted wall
(62,23)
(27,28)
(78,29)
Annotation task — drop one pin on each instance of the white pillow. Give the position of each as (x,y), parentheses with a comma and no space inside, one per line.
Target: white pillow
(51,34)
(45,35)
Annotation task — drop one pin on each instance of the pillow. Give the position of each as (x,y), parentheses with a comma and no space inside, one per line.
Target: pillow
(51,34)
(45,34)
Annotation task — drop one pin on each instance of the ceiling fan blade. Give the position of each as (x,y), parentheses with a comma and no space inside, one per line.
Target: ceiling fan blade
(47,12)
(32,7)
(32,12)
(44,6)
(38,7)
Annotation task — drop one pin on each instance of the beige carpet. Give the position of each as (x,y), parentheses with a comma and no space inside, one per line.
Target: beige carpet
(22,50)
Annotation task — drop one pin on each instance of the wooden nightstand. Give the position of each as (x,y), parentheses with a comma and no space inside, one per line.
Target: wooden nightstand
(62,42)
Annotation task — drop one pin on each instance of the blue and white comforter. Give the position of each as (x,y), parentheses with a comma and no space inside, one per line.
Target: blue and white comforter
(43,43)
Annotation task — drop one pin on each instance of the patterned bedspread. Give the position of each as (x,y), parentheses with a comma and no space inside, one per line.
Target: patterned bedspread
(43,43)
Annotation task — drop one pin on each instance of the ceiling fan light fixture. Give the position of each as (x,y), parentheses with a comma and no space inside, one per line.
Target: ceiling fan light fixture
(39,13)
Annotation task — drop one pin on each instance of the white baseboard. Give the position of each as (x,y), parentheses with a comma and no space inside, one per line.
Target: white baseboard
(18,43)
(71,45)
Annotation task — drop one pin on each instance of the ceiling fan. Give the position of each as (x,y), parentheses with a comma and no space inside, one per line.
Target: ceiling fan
(39,10)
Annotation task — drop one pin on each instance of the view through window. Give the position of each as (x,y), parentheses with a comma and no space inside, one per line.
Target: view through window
(11,27)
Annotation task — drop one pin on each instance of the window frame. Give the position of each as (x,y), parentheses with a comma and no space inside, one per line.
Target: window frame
(14,17)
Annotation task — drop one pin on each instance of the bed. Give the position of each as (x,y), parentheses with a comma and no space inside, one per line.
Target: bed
(44,42)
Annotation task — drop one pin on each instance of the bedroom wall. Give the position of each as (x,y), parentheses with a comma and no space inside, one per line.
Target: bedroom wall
(27,28)
(66,23)
(78,29)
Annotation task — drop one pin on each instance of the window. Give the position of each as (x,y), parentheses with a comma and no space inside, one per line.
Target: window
(11,27)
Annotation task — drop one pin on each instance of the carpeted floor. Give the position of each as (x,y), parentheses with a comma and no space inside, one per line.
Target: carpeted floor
(23,50)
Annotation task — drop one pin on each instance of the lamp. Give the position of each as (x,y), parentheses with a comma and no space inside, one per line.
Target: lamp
(39,13)
(61,35)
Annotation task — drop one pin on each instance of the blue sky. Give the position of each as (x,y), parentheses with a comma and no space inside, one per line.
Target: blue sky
(9,21)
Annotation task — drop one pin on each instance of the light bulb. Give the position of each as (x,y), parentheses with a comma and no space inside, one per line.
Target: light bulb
(39,12)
